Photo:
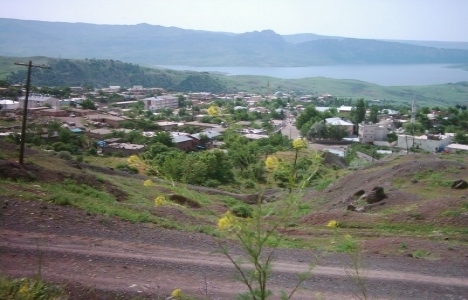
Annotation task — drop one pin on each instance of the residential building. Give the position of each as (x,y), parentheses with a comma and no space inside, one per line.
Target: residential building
(112,121)
(429,142)
(456,147)
(368,133)
(8,104)
(184,142)
(168,126)
(35,100)
(125,149)
(342,122)
(160,102)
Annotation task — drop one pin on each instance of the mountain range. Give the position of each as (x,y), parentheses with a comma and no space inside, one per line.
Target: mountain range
(157,45)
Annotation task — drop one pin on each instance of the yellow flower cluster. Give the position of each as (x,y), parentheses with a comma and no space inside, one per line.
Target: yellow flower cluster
(160,200)
(333,224)
(271,162)
(148,183)
(177,293)
(299,144)
(228,221)
(133,161)
(24,288)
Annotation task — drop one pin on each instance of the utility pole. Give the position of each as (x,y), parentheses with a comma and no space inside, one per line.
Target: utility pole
(25,107)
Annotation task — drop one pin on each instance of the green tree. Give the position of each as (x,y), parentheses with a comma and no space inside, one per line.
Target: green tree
(373,114)
(88,104)
(358,113)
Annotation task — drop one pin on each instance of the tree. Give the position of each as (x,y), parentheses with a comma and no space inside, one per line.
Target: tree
(88,104)
(309,114)
(414,129)
(358,113)
(373,114)
(461,137)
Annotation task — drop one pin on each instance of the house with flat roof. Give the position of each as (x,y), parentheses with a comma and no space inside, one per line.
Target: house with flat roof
(342,122)
(368,133)
(184,142)
(38,100)
(125,149)
(112,121)
(160,102)
(429,142)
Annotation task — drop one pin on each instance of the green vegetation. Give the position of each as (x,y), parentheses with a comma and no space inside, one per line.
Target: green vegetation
(102,73)
(29,289)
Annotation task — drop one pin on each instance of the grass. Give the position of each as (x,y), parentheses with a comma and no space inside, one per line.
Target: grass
(29,289)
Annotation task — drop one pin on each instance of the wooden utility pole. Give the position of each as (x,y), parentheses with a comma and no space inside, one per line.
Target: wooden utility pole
(25,107)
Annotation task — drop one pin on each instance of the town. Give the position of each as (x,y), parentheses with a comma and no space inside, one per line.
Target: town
(195,120)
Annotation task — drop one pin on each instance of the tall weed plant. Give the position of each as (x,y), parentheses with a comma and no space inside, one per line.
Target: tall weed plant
(260,236)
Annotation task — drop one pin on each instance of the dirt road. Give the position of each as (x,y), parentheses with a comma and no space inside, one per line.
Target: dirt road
(111,259)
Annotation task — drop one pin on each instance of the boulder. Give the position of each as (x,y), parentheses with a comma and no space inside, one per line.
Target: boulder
(375,195)
(459,184)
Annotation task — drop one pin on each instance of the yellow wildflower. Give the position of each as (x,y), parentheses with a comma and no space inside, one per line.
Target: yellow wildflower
(332,224)
(133,160)
(227,221)
(160,200)
(214,110)
(177,293)
(24,288)
(148,182)
(299,144)
(271,162)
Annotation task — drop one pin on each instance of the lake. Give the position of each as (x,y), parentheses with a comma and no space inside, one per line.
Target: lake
(386,75)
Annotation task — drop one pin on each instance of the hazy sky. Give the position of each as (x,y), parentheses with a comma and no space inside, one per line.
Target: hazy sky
(441,20)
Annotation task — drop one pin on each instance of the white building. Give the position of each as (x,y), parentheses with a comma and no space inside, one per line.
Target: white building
(39,101)
(8,104)
(430,142)
(159,102)
(342,122)
(368,133)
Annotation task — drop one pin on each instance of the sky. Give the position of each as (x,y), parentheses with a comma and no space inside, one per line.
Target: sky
(429,20)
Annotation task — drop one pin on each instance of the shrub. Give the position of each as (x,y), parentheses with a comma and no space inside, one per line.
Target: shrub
(212,183)
(28,288)
(65,155)
(242,210)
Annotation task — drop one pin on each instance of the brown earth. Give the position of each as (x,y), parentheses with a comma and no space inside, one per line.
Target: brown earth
(98,257)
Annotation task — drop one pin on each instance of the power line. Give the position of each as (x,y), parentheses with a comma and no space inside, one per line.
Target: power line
(25,108)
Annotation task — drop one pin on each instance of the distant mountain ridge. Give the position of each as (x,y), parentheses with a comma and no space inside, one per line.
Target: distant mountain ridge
(158,45)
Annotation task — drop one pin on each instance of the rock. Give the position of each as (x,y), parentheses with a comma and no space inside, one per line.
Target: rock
(361,209)
(375,195)
(359,193)
(459,184)
(351,207)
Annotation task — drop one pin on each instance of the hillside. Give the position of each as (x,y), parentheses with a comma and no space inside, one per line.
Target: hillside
(157,45)
(102,73)
(100,234)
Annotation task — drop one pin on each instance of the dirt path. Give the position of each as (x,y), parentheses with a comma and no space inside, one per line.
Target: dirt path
(114,259)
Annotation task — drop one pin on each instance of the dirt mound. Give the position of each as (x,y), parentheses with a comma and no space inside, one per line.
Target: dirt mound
(16,171)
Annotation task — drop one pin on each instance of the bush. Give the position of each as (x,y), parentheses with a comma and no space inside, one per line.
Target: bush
(28,288)
(126,168)
(212,183)
(242,210)
(65,155)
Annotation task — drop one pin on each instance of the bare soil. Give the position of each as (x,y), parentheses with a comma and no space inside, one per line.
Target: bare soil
(98,257)
(102,258)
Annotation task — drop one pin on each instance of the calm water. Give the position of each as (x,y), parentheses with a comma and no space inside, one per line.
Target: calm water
(387,75)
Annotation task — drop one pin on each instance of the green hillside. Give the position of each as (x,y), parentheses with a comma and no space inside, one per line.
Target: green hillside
(102,73)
